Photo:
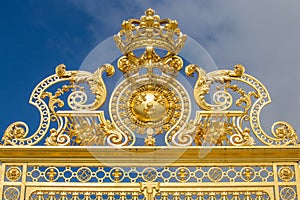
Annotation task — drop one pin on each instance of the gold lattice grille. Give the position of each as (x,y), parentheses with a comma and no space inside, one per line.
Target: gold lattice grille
(274,180)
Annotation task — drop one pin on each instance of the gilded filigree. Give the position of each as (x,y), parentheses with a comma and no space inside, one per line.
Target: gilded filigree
(14,132)
(150,107)
(54,100)
(184,137)
(150,100)
(17,133)
(77,99)
(56,139)
(213,133)
(82,129)
(223,100)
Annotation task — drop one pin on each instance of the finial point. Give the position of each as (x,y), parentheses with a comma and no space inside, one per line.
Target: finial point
(149,12)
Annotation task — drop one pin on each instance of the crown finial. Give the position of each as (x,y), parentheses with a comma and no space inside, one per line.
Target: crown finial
(149,12)
(152,31)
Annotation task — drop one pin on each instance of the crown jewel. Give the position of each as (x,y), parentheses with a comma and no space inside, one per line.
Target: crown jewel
(152,31)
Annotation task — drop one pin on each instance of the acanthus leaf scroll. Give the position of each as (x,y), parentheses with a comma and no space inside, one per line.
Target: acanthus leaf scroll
(151,103)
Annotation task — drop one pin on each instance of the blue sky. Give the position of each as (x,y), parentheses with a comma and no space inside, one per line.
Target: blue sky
(36,36)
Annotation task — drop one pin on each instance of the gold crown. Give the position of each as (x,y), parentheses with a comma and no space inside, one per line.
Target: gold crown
(150,30)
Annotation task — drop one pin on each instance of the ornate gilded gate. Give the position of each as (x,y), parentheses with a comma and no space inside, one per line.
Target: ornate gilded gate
(151,140)
(60,173)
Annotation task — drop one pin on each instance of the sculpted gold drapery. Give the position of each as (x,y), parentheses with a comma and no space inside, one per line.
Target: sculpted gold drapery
(147,144)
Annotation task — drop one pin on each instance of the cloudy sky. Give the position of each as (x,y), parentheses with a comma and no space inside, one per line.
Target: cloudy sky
(36,36)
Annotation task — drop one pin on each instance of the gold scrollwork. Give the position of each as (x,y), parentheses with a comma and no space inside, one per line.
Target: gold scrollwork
(277,138)
(283,133)
(85,129)
(17,133)
(213,133)
(222,99)
(77,99)
(151,99)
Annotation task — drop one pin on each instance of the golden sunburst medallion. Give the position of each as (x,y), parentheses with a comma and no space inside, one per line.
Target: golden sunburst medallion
(149,102)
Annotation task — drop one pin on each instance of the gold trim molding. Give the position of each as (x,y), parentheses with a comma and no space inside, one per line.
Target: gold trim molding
(143,155)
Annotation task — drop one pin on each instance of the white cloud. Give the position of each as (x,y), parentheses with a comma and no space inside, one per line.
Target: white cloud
(262,35)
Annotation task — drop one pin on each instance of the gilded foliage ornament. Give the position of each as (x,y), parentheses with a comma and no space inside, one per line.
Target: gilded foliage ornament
(150,102)
(151,131)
